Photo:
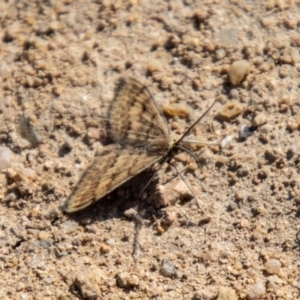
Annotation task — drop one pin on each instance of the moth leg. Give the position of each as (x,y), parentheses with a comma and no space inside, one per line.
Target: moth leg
(197,200)
(191,153)
(156,171)
(136,242)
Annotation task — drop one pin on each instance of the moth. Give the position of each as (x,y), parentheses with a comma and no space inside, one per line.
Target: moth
(141,137)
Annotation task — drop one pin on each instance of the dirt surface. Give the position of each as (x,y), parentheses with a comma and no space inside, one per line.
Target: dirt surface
(59,64)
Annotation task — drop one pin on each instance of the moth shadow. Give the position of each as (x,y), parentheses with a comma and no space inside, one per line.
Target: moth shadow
(125,197)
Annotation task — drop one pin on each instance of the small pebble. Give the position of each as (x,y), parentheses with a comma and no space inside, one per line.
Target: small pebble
(271,286)
(294,52)
(291,151)
(44,235)
(93,133)
(5,158)
(57,91)
(12,174)
(171,193)
(28,132)
(119,260)
(273,266)
(127,280)
(230,111)
(68,143)
(196,84)
(239,196)
(201,15)
(10,197)
(227,140)
(154,66)
(168,218)
(237,71)
(244,223)
(220,54)
(74,128)
(34,213)
(192,166)
(165,83)
(20,286)
(245,131)
(203,295)
(247,264)
(234,94)
(297,200)
(257,290)
(231,206)
(259,120)
(110,243)
(180,187)
(204,221)
(30,81)
(173,110)
(28,173)
(167,269)
(89,281)
(104,248)
(130,213)
(293,125)
(227,293)
(48,165)
(174,125)
(70,226)
(163,197)
(273,281)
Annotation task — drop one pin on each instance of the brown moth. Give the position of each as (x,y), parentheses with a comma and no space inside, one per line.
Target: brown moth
(141,138)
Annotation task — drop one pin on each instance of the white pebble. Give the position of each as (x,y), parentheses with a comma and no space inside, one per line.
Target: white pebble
(238,70)
(227,140)
(69,227)
(257,290)
(130,213)
(168,269)
(5,158)
(245,131)
(28,173)
(226,293)
(272,266)
(220,54)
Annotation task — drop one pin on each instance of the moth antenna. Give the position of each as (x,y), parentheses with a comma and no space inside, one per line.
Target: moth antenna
(195,123)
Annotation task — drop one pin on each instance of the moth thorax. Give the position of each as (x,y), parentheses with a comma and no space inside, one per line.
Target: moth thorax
(159,145)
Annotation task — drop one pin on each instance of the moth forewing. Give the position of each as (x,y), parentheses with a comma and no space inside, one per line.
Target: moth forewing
(141,138)
(105,174)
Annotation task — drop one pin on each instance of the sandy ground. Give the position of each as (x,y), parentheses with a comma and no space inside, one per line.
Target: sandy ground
(59,64)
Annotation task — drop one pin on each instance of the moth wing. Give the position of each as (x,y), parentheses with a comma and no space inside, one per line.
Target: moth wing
(108,170)
(134,117)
